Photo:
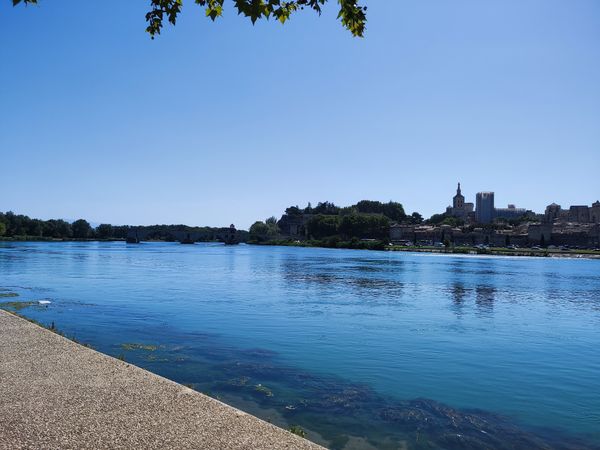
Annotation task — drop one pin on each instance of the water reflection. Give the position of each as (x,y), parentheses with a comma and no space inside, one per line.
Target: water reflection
(334,277)
(484,299)
(459,294)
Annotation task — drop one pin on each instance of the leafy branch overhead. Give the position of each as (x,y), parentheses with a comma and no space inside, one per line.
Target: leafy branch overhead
(351,14)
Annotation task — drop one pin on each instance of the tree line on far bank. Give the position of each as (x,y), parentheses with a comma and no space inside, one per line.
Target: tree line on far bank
(366,219)
(19,226)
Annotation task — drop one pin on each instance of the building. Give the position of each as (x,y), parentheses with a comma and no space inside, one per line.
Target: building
(484,212)
(540,233)
(459,208)
(576,214)
(402,232)
(595,212)
(552,213)
(579,214)
(509,213)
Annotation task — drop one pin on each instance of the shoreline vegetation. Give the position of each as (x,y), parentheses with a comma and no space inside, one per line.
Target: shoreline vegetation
(18,227)
(51,239)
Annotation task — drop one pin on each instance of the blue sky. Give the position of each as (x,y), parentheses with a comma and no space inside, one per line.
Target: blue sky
(213,123)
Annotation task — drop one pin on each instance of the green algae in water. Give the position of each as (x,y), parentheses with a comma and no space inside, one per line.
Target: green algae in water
(342,415)
(333,411)
(259,388)
(297,430)
(154,358)
(14,305)
(17,306)
(133,346)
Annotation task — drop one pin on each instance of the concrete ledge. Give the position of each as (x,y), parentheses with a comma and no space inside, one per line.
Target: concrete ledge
(55,394)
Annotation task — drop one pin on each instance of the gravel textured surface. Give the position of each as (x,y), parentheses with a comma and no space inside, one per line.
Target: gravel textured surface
(56,394)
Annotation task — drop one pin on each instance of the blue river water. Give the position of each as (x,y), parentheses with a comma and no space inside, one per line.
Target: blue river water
(362,349)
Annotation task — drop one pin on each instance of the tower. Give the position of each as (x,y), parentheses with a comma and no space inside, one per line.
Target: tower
(459,200)
(485,207)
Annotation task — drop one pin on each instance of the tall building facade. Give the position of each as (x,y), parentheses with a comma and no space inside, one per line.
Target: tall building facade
(552,213)
(484,210)
(579,214)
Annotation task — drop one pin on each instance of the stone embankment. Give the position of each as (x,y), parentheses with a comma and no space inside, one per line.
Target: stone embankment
(57,394)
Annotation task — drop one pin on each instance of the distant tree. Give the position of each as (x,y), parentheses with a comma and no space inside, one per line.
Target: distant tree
(322,226)
(293,211)
(392,210)
(260,231)
(273,228)
(365,226)
(57,229)
(35,227)
(2,228)
(351,14)
(327,208)
(437,219)
(346,210)
(416,218)
(453,221)
(64,229)
(122,231)
(20,225)
(105,231)
(369,206)
(81,229)
(49,228)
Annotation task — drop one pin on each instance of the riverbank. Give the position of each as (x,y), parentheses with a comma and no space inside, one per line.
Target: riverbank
(370,244)
(58,394)
(382,246)
(500,251)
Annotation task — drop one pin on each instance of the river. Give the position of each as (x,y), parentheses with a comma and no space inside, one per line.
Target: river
(361,349)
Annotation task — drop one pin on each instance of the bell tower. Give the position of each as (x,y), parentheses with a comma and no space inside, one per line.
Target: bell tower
(459,200)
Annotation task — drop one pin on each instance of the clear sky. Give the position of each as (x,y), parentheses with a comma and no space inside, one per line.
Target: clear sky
(213,123)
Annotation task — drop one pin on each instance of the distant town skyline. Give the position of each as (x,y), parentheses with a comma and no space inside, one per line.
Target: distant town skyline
(450,211)
(212,124)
